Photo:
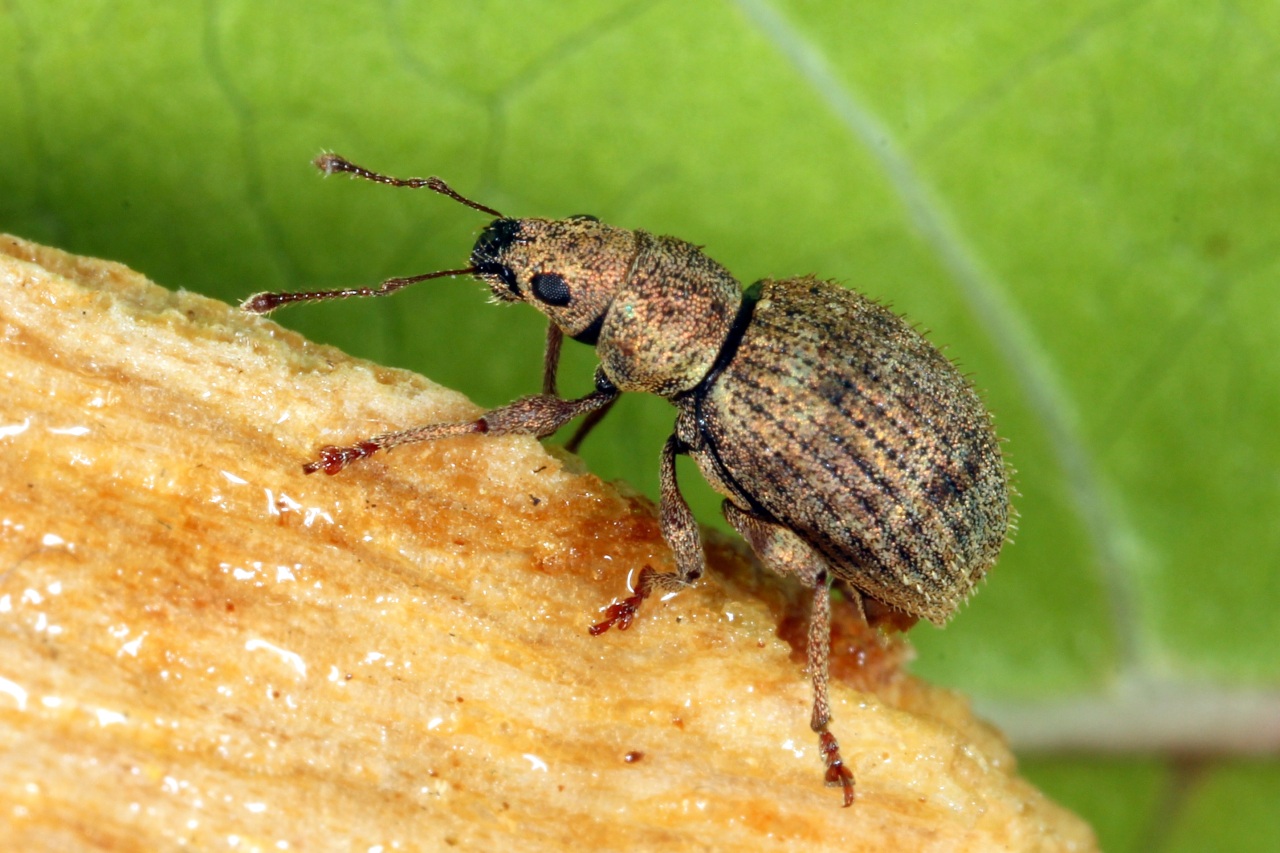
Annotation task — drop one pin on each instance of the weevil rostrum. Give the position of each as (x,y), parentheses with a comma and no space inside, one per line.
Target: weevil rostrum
(849,450)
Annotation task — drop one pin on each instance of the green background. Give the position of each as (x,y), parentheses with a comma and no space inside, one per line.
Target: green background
(1081,200)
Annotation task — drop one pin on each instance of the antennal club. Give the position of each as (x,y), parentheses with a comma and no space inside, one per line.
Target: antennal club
(330,163)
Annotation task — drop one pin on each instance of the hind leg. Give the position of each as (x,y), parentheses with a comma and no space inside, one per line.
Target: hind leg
(782,551)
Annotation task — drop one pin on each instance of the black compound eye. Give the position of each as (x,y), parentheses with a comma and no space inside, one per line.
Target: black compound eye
(551,288)
(584,217)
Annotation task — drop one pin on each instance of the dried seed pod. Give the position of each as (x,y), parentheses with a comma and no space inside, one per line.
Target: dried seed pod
(848,448)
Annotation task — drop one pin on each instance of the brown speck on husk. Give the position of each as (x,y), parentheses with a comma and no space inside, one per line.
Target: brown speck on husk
(199,642)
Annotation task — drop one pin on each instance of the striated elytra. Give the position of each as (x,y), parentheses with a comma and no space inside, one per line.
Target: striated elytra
(849,450)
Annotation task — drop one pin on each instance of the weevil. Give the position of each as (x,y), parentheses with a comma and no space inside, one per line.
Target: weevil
(849,449)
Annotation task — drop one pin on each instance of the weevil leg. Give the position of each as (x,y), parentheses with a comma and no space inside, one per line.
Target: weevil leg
(538,415)
(550,368)
(551,359)
(680,529)
(819,649)
(588,424)
(875,613)
(782,551)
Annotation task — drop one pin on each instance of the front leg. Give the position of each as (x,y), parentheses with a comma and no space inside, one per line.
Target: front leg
(538,415)
(551,360)
(550,369)
(680,529)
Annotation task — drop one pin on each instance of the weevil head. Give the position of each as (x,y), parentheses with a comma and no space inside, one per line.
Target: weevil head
(569,269)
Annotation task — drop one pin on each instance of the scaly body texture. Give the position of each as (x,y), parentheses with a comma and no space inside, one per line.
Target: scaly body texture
(840,422)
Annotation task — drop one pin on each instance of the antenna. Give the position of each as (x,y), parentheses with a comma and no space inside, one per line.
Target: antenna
(265,303)
(330,163)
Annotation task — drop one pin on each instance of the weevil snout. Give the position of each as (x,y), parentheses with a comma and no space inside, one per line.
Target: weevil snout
(488,258)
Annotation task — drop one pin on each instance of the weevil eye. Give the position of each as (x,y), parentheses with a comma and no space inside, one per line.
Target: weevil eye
(550,288)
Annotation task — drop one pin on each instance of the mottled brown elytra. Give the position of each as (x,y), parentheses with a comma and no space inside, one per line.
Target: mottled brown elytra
(848,448)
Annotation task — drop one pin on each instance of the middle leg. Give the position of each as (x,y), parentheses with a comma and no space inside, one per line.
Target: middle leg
(680,529)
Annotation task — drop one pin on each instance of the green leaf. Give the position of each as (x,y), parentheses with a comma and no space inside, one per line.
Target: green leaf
(1121,797)
(1079,199)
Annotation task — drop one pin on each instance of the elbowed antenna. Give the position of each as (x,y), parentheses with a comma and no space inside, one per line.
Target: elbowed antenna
(265,303)
(330,163)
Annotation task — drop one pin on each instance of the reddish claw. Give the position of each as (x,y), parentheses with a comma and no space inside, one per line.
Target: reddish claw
(620,614)
(837,773)
(334,459)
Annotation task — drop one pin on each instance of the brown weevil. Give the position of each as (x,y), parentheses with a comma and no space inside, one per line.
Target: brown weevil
(849,450)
